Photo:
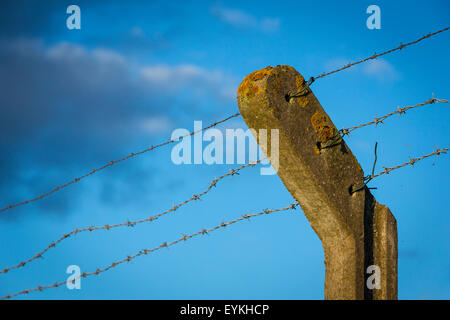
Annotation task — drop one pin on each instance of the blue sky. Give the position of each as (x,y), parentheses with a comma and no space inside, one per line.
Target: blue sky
(72,100)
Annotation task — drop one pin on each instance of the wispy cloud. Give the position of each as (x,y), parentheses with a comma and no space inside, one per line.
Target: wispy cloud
(81,105)
(335,63)
(240,19)
(380,69)
(200,80)
(155,124)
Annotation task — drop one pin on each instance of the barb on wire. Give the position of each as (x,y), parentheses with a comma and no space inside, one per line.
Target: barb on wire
(401,46)
(147,251)
(412,161)
(212,184)
(299,93)
(399,111)
(339,136)
(111,163)
(351,64)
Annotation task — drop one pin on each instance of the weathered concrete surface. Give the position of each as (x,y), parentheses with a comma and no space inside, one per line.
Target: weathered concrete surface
(380,247)
(319,179)
(385,252)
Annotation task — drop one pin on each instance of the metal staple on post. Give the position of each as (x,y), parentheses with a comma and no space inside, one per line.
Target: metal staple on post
(356,231)
(288,97)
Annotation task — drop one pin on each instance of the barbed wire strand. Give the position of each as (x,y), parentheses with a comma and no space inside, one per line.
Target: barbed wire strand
(113,162)
(399,111)
(337,139)
(74,232)
(147,251)
(307,84)
(412,161)
(400,47)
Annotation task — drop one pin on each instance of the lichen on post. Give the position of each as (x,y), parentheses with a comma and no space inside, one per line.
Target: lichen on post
(319,178)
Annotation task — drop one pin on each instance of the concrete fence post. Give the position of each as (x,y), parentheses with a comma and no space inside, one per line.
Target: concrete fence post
(356,231)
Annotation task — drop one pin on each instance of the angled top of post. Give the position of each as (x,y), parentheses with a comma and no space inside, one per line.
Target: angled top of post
(317,168)
(306,131)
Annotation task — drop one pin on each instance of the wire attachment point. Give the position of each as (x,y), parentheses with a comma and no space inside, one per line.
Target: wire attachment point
(300,93)
(367,179)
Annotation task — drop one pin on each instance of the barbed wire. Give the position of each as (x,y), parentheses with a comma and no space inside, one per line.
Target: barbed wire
(337,139)
(400,47)
(399,111)
(74,232)
(387,170)
(411,162)
(113,162)
(351,64)
(147,251)
(307,84)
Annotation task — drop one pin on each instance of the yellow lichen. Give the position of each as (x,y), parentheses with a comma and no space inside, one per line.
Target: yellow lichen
(300,84)
(248,87)
(299,81)
(322,126)
(318,120)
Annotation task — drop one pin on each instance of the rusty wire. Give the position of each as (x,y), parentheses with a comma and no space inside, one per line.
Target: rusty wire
(113,162)
(74,232)
(399,111)
(147,251)
(400,47)
(337,139)
(306,84)
(412,161)
(310,81)
(340,135)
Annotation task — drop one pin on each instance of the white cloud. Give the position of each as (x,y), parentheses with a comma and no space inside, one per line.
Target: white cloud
(67,51)
(335,63)
(178,75)
(160,78)
(199,80)
(155,124)
(108,56)
(240,19)
(99,89)
(380,69)
(64,105)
